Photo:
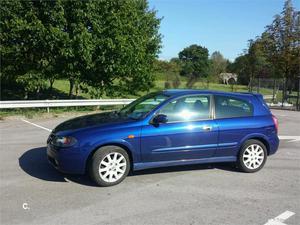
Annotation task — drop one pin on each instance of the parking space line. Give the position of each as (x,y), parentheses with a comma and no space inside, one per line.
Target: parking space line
(292,138)
(278,220)
(36,125)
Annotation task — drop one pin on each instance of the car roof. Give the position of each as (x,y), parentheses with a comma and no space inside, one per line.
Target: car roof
(179,92)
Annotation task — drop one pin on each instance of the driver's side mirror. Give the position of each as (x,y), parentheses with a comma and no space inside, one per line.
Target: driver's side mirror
(160,118)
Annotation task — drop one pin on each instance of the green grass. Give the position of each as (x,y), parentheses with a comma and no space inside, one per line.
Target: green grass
(62,87)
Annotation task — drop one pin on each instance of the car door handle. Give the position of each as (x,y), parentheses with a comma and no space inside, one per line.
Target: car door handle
(207,128)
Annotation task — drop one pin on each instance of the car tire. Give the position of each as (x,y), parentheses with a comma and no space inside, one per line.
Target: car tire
(109,166)
(252,157)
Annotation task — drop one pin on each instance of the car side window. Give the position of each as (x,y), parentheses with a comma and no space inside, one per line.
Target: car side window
(228,107)
(187,108)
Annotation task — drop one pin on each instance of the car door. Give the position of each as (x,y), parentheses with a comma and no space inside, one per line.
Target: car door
(234,117)
(190,133)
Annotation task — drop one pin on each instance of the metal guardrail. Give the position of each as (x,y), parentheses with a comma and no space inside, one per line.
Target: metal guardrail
(62,103)
(65,103)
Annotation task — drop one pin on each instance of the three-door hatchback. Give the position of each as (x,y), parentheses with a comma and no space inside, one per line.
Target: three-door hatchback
(167,128)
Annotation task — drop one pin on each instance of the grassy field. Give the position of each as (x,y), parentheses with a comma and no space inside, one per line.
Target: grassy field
(62,87)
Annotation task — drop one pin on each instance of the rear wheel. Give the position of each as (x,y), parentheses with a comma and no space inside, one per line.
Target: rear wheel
(253,156)
(109,166)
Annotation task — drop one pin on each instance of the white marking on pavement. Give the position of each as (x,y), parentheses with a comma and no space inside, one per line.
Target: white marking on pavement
(281,115)
(36,125)
(292,138)
(278,220)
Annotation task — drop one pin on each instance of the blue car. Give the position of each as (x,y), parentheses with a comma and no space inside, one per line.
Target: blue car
(166,128)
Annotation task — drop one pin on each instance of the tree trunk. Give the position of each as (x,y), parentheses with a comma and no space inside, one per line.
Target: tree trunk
(38,92)
(274,87)
(71,88)
(51,81)
(76,90)
(290,86)
(250,83)
(286,83)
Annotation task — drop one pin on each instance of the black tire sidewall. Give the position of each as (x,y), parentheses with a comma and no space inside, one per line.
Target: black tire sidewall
(97,158)
(241,164)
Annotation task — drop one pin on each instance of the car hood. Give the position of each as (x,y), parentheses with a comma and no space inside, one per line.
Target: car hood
(91,121)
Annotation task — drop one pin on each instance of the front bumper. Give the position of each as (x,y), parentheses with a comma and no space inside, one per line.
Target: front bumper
(66,160)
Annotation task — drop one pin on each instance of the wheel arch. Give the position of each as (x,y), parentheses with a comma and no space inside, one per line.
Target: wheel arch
(259,138)
(123,146)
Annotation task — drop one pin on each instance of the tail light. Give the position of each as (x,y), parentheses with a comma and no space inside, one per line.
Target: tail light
(275,120)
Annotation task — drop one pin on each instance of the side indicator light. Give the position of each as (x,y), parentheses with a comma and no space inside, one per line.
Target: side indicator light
(131,136)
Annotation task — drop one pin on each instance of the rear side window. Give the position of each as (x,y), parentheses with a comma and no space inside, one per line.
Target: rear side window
(228,107)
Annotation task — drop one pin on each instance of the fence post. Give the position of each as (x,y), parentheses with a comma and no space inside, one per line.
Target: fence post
(48,108)
(298,95)
(283,92)
(274,87)
(250,85)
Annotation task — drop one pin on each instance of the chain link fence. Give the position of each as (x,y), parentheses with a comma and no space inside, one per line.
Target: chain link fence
(279,93)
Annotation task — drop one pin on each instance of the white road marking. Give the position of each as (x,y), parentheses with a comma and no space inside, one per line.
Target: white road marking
(49,130)
(292,138)
(278,220)
(281,115)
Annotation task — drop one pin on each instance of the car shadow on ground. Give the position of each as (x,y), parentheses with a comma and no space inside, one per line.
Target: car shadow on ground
(34,162)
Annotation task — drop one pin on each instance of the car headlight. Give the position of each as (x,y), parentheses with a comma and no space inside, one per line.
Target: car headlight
(64,141)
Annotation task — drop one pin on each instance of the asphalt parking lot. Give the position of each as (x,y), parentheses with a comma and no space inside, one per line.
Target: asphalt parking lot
(202,194)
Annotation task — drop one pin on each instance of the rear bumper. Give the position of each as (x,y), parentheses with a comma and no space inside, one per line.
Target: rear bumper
(274,144)
(66,160)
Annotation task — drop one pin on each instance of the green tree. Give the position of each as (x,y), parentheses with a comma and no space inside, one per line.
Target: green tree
(77,43)
(218,64)
(253,64)
(241,67)
(284,44)
(256,61)
(126,42)
(169,72)
(195,63)
(275,53)
(30,31)
(108,45)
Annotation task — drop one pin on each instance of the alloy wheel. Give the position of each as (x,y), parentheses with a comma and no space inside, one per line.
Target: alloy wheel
(253,156)
(112,167)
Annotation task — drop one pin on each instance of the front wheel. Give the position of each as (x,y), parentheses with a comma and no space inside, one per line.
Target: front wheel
(109,166)
(253,156)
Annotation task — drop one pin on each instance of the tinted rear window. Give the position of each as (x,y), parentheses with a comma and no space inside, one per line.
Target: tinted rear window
(229,107)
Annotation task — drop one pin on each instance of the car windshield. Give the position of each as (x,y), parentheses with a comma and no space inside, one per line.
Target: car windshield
(142,106)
